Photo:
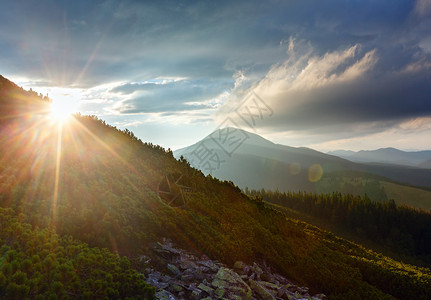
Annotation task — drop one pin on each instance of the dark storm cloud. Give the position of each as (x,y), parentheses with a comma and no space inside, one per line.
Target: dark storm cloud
(344,93)
(88,43)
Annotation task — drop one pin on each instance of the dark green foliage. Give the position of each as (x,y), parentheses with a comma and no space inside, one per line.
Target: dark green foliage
(39,262)
(402,229)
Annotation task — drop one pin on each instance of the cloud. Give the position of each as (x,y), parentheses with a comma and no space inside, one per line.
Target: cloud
(170,95)
(91,43)
(340,93)
(423,7)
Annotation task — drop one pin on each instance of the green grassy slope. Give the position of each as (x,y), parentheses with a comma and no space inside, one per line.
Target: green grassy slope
(376,187)
(408,195)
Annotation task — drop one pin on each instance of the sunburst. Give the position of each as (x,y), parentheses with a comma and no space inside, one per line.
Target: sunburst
(62,109)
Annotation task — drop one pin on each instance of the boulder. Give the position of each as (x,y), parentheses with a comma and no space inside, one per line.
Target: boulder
(174,270)
(269,285)
(197,294)
(227,278)
(164,295)
(280,278)
(186,277)
(166,250)
(219,292)
(209,264)
(205,288)
(260,290)
(257,270)
(241,292)
(187,265)
(176,288)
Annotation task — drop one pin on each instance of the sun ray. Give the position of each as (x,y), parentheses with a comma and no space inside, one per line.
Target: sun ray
(57,171)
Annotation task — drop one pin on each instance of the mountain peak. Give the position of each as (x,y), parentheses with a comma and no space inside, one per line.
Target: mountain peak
(246,137)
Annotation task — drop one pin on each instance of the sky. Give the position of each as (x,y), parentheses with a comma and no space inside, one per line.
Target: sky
(322,74)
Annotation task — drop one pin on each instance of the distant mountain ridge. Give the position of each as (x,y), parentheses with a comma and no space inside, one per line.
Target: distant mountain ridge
(256,163)
(387,155)
(426,164)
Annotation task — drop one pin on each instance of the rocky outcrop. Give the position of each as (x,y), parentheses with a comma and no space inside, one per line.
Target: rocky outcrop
(186,276)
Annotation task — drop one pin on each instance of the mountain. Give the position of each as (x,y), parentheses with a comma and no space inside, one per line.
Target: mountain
(341,153)
(248,145)
(386,155)
(426,164)
(85,208)
(251,161)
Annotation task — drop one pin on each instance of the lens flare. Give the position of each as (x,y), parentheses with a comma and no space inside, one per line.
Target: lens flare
(315,172)
(62,109)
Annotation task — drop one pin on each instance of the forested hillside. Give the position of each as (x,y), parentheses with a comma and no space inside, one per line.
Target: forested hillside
(398,229)
(77,194)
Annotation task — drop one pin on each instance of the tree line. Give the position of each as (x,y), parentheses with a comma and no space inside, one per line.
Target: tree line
(402,229)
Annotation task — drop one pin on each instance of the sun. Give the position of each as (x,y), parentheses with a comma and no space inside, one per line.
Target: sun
(62,109)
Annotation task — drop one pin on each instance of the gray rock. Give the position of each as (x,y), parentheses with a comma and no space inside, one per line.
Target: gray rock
(197,294)
(176,288)
(269,285)
(186,277)
(174,270)
(165,278)
(257,270)
(261,291)
(161,285)
(280,279)
(227,278)
(164,295)
(241,292)
(194,278)
(209,264)
(205,288)
(187,265)
(219,292)
(224,276)
(166,250)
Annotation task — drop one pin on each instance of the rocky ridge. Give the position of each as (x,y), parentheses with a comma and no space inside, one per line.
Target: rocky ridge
(178,274)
